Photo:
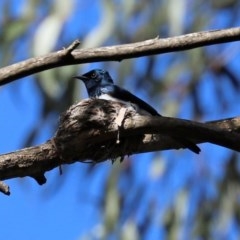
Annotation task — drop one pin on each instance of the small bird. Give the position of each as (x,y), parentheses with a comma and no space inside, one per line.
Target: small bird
(100,85)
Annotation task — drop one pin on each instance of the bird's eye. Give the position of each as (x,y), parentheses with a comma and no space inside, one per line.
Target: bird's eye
(93,75)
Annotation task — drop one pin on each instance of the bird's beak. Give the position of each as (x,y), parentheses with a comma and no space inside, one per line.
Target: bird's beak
(81,77)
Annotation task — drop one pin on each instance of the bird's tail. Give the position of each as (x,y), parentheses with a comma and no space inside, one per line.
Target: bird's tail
(188,144)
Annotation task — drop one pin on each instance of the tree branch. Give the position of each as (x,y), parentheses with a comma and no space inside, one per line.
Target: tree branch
(116,53)
(99,130)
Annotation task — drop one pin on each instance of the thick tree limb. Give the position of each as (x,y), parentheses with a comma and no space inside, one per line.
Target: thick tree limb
(99,130)
(69,56)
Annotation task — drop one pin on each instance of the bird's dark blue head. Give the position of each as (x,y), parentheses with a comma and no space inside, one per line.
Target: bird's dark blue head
(94,80)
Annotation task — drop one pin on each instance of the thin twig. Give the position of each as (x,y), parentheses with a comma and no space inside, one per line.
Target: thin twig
(4,188)
(67,51)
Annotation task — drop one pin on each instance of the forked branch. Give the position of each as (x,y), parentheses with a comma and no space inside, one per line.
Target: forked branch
(70,56)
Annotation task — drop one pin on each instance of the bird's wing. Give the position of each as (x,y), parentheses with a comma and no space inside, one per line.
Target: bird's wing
(124,95)
(118,93)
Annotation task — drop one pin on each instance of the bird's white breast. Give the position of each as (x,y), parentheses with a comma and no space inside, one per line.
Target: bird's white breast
(129,104)
(108,97)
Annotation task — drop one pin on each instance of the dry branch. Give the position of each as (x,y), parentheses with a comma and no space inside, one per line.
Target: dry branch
(89,131)
(69,56)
